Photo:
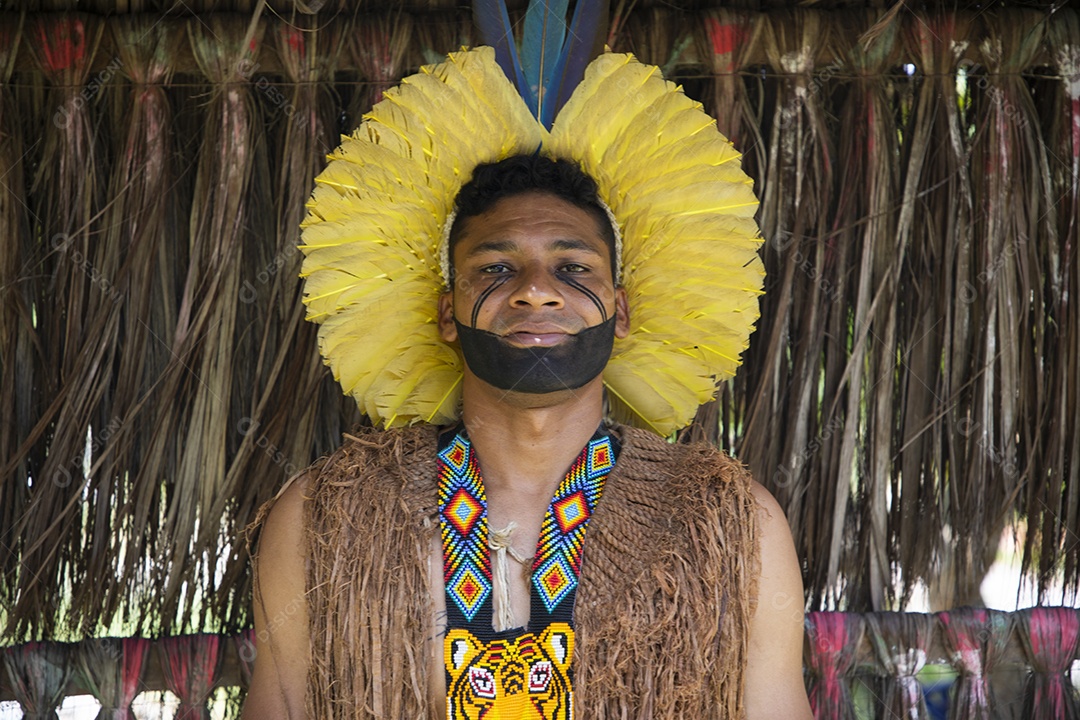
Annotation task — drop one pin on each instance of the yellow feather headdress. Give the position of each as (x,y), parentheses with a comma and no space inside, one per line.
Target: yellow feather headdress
(673,182)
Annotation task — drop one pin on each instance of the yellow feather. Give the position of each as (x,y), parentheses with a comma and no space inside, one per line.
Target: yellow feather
(609,98)
(370,239)
(376,215)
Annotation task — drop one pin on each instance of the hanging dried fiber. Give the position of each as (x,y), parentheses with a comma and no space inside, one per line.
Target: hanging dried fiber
(65,200)
(871,365)
(784,365)
(127,325)
(1055,471)
(911,394)
(723,41)
(283,404)
(381,53)
(443,34)
(928,324)
(1014,240)
(16,302)
(862,236)
(655,36)
(205,412)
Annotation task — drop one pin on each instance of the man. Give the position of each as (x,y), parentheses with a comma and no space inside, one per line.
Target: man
(643,579)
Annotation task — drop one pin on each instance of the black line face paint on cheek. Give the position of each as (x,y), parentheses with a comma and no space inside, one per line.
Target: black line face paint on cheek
(495,285)
(586,292)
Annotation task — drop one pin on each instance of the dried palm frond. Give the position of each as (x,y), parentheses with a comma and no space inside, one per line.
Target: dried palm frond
(783,363)
(199,377)
(437,35)
(380,51)
(913,388)
(1012,227)
(280,386)
(1039,299)
(724,40)
(138,315)
(16,301)
(65,201)
(864,226)
(1062,322)
(655,36)
(925,318)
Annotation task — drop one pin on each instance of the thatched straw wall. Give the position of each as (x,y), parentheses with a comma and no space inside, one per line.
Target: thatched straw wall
(912,387)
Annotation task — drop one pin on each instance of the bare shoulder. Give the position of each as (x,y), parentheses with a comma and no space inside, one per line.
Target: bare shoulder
(774,678)
(780,580)
(772,522)
(282,640)
(286,514)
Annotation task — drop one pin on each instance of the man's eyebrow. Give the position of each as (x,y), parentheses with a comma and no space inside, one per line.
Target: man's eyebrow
(493,246)
(506,246)
(575,245)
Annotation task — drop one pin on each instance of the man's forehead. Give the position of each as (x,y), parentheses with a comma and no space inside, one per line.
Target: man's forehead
(529,216)
(512,245)
(530,202)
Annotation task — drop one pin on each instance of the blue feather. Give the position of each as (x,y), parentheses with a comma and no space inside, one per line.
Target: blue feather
(587,31)
(541,46)
(552,61)
(493,24)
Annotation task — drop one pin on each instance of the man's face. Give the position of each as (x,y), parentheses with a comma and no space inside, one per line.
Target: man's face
(535,271)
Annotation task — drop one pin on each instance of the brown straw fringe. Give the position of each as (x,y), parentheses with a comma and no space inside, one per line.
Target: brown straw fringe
(662,613)
(672,547)
(1062,386)
(16,321)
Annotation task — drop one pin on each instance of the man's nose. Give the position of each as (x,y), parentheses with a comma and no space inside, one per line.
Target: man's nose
(537,287)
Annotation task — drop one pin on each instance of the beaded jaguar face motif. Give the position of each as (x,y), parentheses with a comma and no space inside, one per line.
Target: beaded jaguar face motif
(524,677)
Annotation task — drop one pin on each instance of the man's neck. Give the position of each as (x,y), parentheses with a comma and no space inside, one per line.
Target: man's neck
(527,447)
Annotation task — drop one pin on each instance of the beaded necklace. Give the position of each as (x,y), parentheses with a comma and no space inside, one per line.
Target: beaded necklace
(525,671)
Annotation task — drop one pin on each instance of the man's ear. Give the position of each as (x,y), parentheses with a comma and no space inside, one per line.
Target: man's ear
(447,329)
(622,313)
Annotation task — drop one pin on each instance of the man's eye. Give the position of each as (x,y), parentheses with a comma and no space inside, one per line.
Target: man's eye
(573,268)
(495,269)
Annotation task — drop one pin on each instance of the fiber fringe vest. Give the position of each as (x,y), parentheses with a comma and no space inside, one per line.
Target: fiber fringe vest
(668,581)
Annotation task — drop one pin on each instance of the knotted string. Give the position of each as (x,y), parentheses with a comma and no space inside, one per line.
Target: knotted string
(499,543)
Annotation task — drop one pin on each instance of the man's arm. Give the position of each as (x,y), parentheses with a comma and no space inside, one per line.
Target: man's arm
(282,641)
(774,677)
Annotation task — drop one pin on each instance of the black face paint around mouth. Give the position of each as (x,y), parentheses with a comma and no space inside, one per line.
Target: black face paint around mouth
(537,370)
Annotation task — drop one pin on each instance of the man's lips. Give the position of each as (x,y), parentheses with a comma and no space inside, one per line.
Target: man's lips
(536,336)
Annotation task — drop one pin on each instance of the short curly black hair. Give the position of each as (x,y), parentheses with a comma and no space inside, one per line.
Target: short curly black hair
(492,182)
